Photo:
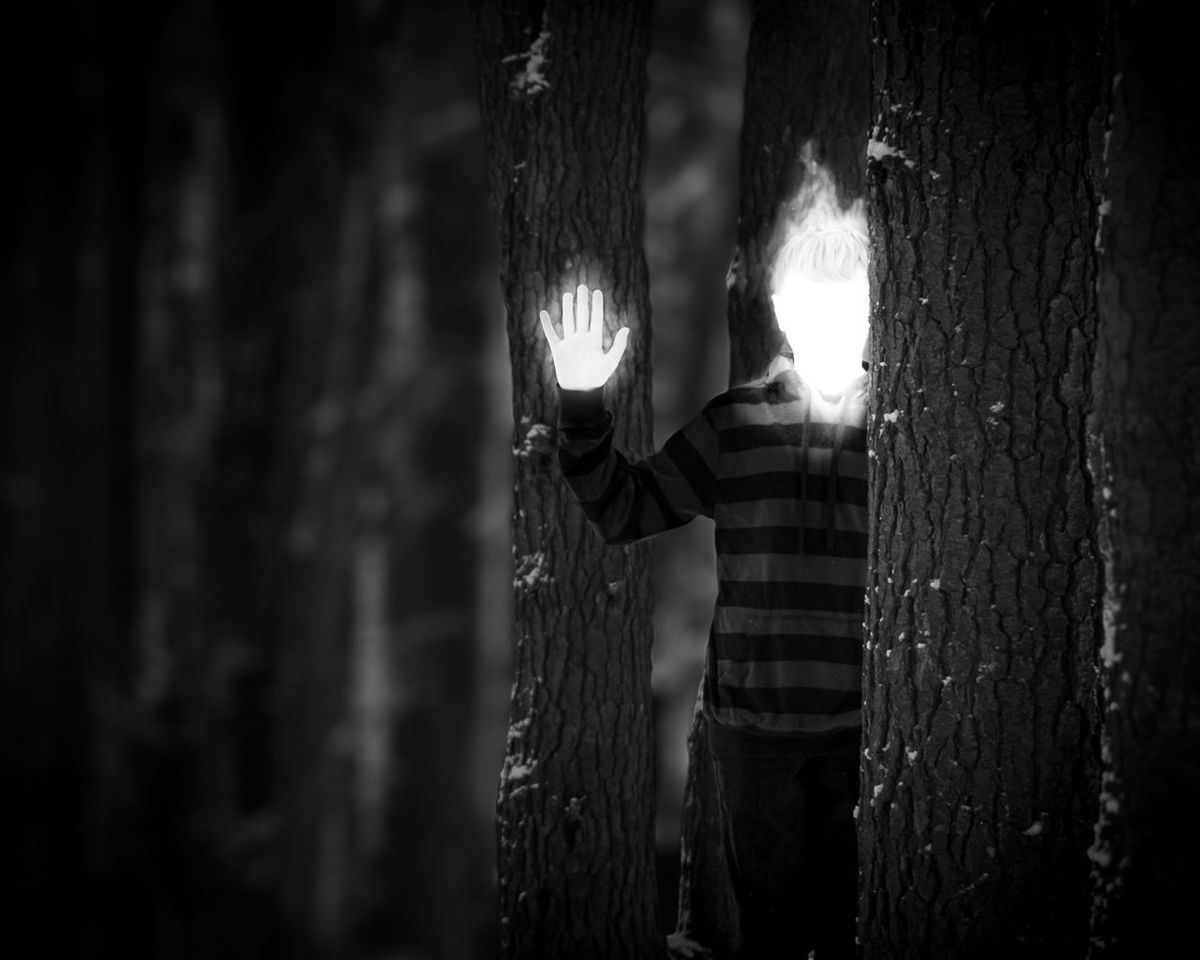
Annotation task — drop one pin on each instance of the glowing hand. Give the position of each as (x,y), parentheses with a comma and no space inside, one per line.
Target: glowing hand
(579,358)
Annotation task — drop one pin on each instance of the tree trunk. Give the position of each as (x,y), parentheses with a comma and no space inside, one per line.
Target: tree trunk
(562,89)
(1144,459)
(183,776)
(356,275)
(981,719)
(235,484)
(295,602)
(805,103)
(72,197)
(428,883)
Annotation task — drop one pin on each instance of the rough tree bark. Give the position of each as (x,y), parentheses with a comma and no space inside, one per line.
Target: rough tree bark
(1144,457)
(805,102)
(981,718)
(562,90)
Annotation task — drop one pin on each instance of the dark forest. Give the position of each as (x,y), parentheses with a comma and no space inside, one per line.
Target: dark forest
(307,650)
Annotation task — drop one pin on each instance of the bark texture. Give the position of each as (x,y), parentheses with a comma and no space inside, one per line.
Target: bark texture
(981,717)
(562,91)
(805,103)
(1144,456)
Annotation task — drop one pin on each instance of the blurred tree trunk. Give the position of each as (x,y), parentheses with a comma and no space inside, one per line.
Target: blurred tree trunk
(245,295)
(805,103)
(432,857)
(981,701)
(359,245)
(1145,464)
(72,197)
(301,329)
(182,759)
(562,91)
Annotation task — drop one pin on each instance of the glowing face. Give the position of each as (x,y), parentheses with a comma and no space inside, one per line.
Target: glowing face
(826,323)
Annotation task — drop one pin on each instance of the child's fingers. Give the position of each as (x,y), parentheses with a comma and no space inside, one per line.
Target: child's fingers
(568,315)
(581,309)
(597,329)
(548,329)
(615,352)
(620,341)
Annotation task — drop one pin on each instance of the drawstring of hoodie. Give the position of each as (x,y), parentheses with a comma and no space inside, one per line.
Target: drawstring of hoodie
(831,486)
(808,395)
(829,508)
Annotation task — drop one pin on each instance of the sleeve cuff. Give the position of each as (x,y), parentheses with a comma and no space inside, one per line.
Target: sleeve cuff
(580,408)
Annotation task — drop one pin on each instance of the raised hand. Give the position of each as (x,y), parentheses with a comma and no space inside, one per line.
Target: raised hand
(580,362)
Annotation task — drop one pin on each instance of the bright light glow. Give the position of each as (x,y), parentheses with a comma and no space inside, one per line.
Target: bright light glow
(826,322)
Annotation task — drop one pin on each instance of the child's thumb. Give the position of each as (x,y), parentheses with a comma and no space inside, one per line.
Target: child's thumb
(620,340)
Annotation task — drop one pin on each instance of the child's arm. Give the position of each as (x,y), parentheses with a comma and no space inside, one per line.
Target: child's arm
(623,501)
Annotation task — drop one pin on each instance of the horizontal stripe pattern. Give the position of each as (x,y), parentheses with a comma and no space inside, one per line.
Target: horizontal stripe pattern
(791,512)
(790,700)
(740,439)
(786,724)
(829,623)
(789,459)
(785,651)
(784,486)
(740,647)
(781,540)
(791,595)
(794,567)
(789,673)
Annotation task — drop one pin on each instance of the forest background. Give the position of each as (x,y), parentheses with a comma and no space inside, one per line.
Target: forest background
(257,478)
(258,466)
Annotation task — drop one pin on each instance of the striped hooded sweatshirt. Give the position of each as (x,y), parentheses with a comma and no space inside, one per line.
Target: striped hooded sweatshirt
(782,471)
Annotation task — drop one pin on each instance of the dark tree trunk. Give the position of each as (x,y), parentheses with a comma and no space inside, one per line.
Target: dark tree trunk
(981,768)
(562,91)
(805,103)
(356,278)
(72,196)
(428,885)
(1147,380)
(182,772)
(302,334)
(236,532)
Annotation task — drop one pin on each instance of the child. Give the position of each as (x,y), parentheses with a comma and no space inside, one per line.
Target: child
(780,465)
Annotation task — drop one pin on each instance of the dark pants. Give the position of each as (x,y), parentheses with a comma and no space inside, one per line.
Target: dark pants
(788,830)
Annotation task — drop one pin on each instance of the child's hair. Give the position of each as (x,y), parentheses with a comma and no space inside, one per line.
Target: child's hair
(830,251)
